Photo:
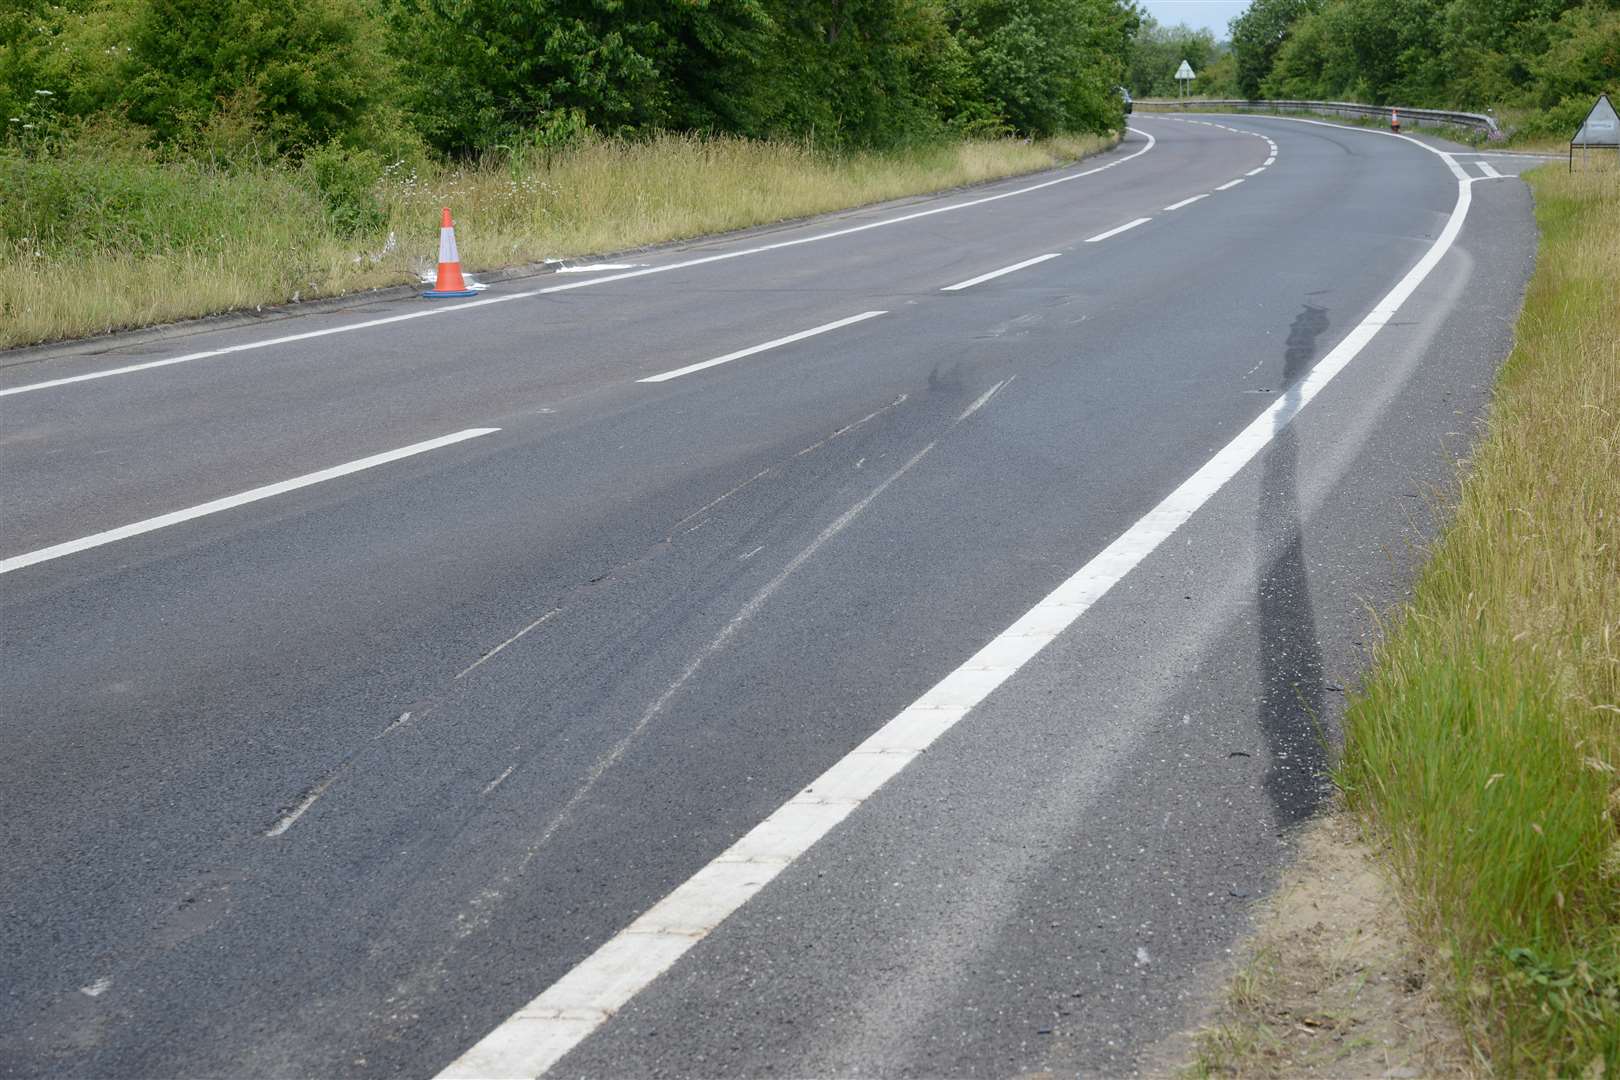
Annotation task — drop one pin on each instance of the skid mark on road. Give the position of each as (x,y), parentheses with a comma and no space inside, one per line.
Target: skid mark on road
(541,1033)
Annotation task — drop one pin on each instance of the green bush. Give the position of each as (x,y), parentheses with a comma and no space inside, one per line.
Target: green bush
(73,205)
(347,180)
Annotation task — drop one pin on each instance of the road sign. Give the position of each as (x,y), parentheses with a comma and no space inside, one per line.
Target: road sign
(1601,128)
(1184,75)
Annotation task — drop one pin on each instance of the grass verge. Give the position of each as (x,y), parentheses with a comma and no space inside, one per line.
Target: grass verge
(105,238)
(1483,749)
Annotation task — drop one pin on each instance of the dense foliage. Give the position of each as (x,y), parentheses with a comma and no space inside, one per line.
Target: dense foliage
(1546,58)
(214,78)
(1158,51)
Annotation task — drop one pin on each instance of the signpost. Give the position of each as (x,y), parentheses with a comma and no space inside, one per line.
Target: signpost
(1184,75)
(1601,129)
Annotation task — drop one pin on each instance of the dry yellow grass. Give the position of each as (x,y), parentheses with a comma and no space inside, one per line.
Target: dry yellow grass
(598,196)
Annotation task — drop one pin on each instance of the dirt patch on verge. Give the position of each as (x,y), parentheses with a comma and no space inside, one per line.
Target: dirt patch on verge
(1330,985)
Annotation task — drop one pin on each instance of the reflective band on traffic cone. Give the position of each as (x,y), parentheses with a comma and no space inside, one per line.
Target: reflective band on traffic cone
(450,282)
(1394,120)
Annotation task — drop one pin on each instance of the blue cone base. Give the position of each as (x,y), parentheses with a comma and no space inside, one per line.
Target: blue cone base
(445,294)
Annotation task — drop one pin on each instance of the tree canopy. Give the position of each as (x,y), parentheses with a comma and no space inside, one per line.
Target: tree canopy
(465,76)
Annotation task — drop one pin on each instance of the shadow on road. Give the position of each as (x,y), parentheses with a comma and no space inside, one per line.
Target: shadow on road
(1291,701)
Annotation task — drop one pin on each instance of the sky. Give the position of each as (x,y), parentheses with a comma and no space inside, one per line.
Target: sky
(1199,14)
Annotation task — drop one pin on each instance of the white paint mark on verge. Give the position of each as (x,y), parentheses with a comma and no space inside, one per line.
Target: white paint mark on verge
(1186,202)
(124,532)
(1229,184)
(846,429)
(291,817)
(495,783)
(970,282)
(1129,225)
(595,268)
(505,298)
(399,722)
(547,617)
(540,1033)
(984,397)
(777,344)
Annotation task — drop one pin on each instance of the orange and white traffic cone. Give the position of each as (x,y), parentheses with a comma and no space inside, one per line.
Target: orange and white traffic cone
(1394,123)
(450,282)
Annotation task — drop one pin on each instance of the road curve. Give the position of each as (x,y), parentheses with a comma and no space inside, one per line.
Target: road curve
(357,688)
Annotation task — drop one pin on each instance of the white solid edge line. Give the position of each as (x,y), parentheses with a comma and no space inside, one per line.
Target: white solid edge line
(750,351)
(1115,232)
(586,283)
(57,551)
(1229,184)
(1255,172)
(1186,202)
(539,1034)
(970,282)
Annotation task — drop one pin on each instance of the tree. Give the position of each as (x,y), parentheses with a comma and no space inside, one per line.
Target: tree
(309,71)
(1157,51)
(485,73)
(1258,33)
(1047,66)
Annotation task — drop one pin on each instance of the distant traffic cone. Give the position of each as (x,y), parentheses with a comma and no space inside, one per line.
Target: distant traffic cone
(450,282)
(1394,125)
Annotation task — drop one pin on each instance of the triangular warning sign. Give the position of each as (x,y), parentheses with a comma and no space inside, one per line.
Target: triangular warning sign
(1602,126)
(1185,71)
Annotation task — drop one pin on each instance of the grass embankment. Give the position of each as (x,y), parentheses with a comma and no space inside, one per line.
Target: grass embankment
(1485,745)
(97,239)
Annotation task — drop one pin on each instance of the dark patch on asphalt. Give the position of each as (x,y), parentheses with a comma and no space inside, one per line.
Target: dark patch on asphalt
(1292,685)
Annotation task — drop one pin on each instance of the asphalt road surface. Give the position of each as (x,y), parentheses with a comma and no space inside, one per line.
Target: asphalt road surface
(362,691)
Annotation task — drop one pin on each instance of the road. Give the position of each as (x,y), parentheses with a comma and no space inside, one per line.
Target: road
(359,687)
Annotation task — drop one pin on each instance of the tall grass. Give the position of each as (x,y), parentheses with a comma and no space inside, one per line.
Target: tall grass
(98,241)
(1485,746)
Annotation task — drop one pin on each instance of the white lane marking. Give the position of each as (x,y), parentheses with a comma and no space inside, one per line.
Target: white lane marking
(1488,170)
(487,657)
(97,988)
(970,282)
(587,283)
(1450,159)
(124,532)
(1115,232)
(541,1032)
(595,268)
(1255,172)
(1229,184)
(1272,160)
(1187,202)
(751,350)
